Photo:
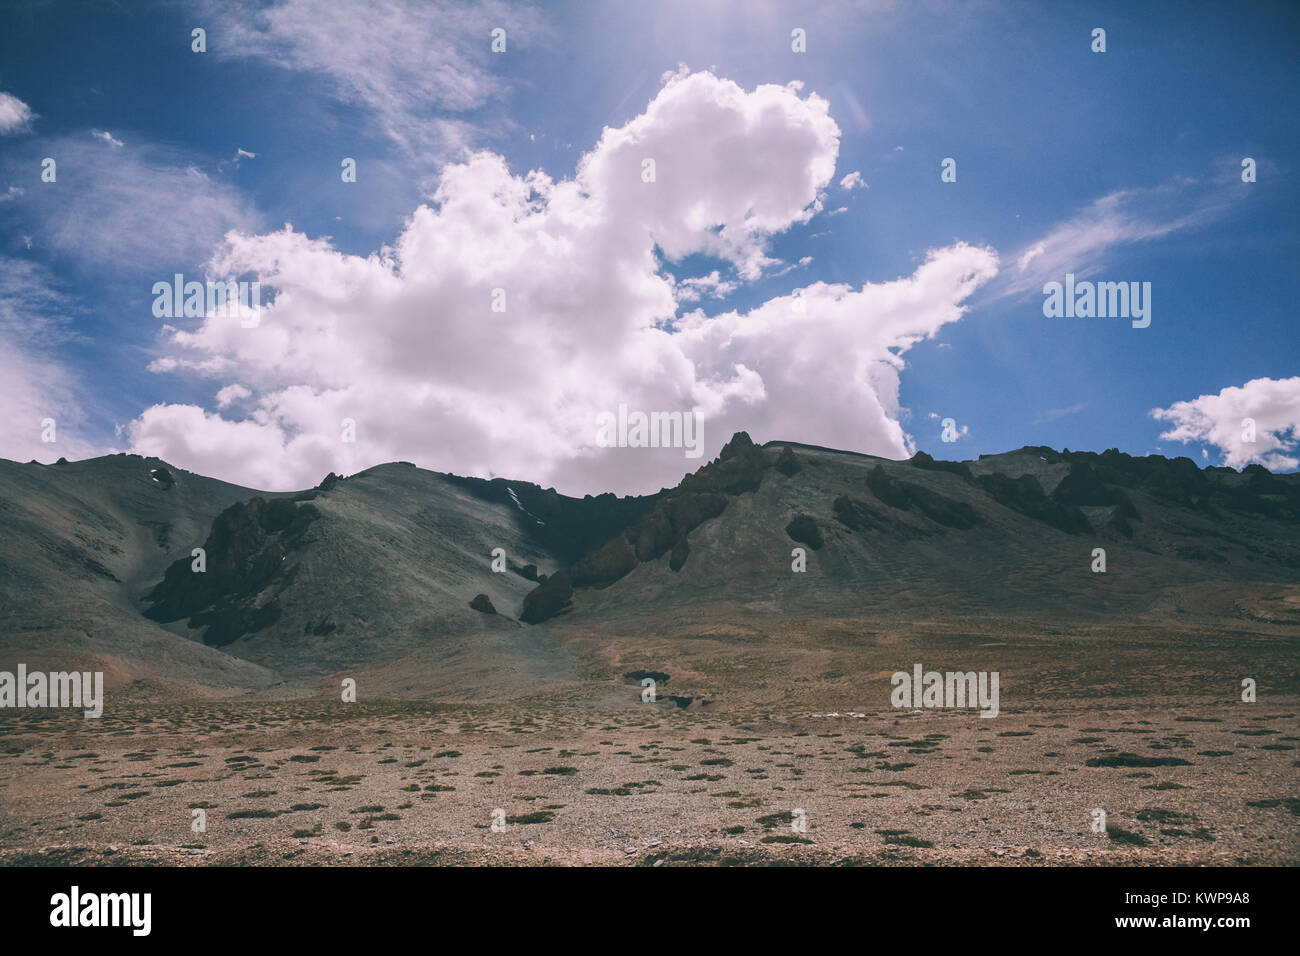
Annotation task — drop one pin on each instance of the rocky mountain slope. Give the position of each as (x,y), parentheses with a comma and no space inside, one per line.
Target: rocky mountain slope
(389,574)
(1012,532)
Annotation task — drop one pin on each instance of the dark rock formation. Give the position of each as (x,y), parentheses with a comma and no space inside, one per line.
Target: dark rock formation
(738,468)
(887,489)
(528,572)
(853,513)
(958,468)
(803,528)
(787,464)
(681,551)
(1025,494)
(564,526)
(605,565)
(674,517)
(548,599)
(244,554)
(673,514)
(905,495)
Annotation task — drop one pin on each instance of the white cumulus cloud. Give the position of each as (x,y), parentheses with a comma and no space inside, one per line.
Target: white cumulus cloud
(406,343)
(1219,420)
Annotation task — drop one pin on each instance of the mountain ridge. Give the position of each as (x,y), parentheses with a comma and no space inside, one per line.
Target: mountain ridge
(397,567)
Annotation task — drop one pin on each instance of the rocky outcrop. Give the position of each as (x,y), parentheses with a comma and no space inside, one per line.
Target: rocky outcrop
(887,489)
(853,513)
(858,514)
(907,496)
(958,468)
(787,464)
(548,599)
(803,529)
(1083,487)
(1025,494)
(243,555)
(605,565)
(528,571)
(672,519)
(739,468)
(566,527)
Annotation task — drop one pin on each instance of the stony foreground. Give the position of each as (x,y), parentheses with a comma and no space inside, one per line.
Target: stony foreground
(1181,782)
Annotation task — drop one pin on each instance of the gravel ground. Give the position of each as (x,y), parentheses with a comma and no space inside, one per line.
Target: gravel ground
(400,783)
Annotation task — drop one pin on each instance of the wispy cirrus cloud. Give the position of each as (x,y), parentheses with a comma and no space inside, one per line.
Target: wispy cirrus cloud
(1051,415)
(35,320)
(34,313)
(419,67)
(130,207)
(1125,217)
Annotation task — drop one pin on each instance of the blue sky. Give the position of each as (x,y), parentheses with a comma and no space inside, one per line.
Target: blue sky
(1123,165)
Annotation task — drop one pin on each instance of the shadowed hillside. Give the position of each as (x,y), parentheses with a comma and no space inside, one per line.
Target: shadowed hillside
(389,573)
(1009,533)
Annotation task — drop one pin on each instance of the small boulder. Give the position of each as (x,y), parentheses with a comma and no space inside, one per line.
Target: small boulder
(483,603)
(547,599)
